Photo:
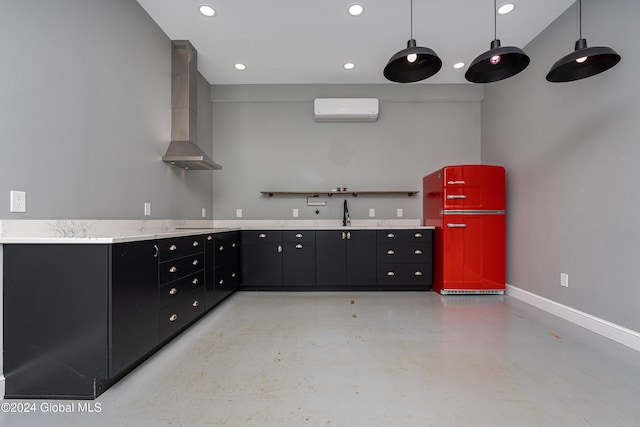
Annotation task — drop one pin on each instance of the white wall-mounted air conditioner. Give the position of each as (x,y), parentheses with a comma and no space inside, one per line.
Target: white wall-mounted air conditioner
(346,109)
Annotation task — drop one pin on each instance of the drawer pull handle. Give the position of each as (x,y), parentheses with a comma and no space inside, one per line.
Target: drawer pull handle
(195,243)
(221,282)
(221,248)
(195,262)
(173,247)
(209,237)
(344,235)
(173,291)
(233,274)
(418,273)
(156,250)
(196,303)
(262,235)
(298,246)
(279,249)
(195,281)
(391,252)
(456,225)
(390,273)
(417,235)
(173,269)
(348,235)
(418,252)
(233,245)
(299,236)
(173,318)
(456,196)
(390,236)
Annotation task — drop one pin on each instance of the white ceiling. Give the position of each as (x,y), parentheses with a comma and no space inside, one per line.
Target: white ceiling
(308,41)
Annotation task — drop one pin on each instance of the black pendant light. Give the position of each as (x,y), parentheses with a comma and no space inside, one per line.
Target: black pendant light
(412,64)
(583,62)
(498,63)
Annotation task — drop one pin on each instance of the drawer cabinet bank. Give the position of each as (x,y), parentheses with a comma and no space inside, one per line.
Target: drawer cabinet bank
(79,316)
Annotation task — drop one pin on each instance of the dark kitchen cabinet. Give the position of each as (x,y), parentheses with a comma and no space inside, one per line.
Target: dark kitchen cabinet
(77,317)
(182,283)
(223,268)
(261,258)
(346,260)
(298,260)
(278,260)
(405,259)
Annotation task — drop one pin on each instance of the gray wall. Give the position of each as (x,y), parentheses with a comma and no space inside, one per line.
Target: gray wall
(571,152)
(85,114)
(267,139)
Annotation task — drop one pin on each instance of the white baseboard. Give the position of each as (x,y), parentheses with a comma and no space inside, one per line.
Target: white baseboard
(617,333)
(1,387)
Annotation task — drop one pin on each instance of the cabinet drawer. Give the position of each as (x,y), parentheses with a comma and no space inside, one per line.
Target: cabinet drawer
(251,236)
(404,235)
(403,252)
(299,236)
(177,315)
(406,274)
(180,289)
(181,267)
(179,247)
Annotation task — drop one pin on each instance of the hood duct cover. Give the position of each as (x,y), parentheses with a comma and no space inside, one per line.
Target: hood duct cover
(183,151)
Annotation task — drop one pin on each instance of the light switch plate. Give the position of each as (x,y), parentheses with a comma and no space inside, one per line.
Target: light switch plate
(295,213)
(372,212)
(399,212)
(18,201)
(204,212)
(147,208)
(238,213)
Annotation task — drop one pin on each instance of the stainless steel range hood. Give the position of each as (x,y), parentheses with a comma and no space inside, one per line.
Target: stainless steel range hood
(183,150)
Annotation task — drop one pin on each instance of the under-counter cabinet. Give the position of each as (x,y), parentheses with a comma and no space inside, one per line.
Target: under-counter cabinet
(404,259)
(222,271)
(182,283)
(346,260)
(278,260)
(77,317)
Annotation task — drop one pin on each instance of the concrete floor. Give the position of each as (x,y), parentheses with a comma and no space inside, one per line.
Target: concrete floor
(370,359)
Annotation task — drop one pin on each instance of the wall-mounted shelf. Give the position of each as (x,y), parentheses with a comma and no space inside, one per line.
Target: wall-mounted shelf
(408,193)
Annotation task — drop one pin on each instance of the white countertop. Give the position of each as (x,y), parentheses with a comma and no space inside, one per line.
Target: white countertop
(120,231)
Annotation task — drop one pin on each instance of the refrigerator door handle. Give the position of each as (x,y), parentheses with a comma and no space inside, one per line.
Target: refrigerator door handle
(456,196)
(453,225)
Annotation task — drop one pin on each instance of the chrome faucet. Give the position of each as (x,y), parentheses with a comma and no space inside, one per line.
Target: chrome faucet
(346,219)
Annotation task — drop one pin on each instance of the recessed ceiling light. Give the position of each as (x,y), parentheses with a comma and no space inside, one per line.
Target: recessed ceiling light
(207,10)
(458,65)
(356,9)
(349,66)
(240,67)
(506,8)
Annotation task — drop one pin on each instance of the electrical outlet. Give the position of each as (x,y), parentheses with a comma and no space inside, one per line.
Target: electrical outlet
(372,212)
(147,209)
(564,280)
(238,213)
(204,212)
(18,201)
(399,212)
(295,213)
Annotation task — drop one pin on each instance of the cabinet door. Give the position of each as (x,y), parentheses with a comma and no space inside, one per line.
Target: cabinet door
(134,302)
(331,259)
(262,265)
(361,258)
(298,265)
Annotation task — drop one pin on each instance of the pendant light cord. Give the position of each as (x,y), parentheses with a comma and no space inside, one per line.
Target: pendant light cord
(495,21)
(580,15)
(411,19)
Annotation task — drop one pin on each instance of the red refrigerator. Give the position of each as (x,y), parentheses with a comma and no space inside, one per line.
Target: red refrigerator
(466,205)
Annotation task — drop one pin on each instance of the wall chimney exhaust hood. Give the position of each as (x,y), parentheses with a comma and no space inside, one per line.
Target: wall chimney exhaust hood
(183,150)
